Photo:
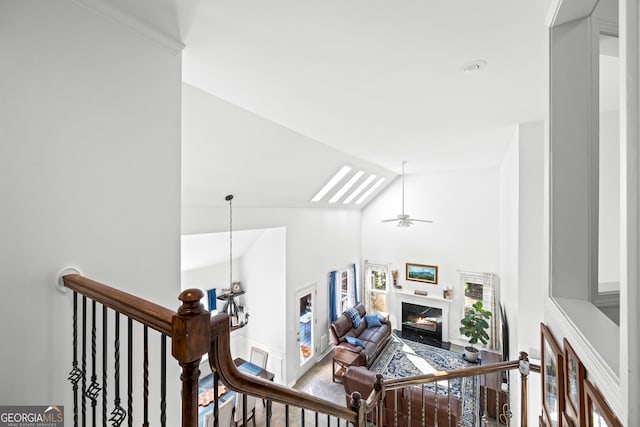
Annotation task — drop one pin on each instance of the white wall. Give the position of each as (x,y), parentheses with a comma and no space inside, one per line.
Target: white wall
(264,279)
(531,276)
(464,235)
(509,223)
(213,276)
(521,251)
(87,104)
(317,241)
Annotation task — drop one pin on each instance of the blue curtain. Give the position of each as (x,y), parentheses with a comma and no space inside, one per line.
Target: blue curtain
(332,295)
(355,285)
(211,297)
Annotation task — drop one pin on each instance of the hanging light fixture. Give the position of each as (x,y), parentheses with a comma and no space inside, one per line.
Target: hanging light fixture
(238,317)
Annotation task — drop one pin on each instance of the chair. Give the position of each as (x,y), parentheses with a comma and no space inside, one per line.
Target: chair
(259,357)
(224,414)
(251,409)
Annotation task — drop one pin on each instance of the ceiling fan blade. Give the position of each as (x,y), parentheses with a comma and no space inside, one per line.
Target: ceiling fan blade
(421,220)
(389,220)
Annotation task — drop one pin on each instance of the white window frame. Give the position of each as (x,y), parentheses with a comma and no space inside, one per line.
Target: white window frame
(370,289)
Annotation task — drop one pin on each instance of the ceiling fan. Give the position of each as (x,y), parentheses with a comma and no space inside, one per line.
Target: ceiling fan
(403,219)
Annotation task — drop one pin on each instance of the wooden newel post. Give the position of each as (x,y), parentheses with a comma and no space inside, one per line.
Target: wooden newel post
(378,386)
(356,404)
(524,372)
(191,339)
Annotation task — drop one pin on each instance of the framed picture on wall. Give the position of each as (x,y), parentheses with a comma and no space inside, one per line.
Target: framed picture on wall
(422,273)
(598,412)
(573,384)
(552,379)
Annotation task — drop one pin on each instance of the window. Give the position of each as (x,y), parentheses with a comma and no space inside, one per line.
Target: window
(482,287)
(472,294)
(345,295)
(377,282)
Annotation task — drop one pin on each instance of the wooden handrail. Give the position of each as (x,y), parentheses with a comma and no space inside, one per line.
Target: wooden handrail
(221,361)
(152,315)
(395,383)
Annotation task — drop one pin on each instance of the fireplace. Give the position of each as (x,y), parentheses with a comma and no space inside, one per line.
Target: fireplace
(422,323)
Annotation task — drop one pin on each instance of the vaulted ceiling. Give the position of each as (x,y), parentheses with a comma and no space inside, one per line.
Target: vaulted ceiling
(380,81)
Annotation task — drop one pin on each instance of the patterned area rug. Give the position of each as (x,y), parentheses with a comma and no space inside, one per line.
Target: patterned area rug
(404,358)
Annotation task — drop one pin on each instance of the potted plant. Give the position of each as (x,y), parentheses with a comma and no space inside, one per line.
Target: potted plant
(474,326)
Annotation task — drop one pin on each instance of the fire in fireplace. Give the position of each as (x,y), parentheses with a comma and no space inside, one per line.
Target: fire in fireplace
(422,323)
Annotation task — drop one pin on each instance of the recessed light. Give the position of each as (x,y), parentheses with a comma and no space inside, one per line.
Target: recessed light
(473,66)
(332,183)
(373,188)
(346,187)
(358,190)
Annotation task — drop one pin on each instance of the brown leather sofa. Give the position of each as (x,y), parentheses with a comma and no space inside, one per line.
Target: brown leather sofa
(374,339)
(396,403)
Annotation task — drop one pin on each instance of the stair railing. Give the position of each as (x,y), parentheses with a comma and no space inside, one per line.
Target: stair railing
(194,333)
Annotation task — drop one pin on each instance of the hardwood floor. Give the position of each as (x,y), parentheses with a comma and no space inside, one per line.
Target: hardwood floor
(317,382)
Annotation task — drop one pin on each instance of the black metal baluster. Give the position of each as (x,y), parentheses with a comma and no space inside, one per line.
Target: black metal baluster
(75,374)
(118,414)
(145,375)
(84,360)
(244,410)
(216,413)
(286,415)
(130,371)
(449,403)
(104,365)
(94,388)
(316,419)
(163,381)
(302,417)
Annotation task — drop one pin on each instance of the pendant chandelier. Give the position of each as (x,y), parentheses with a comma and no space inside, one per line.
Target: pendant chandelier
(238,317)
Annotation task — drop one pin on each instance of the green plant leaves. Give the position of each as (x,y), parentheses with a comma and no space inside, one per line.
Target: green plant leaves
(474,325)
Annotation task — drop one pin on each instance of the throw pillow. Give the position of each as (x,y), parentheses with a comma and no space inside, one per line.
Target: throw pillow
(372,320)
(354,341)
(353,314)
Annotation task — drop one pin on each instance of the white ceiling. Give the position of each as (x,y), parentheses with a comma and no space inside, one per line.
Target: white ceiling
(379,81)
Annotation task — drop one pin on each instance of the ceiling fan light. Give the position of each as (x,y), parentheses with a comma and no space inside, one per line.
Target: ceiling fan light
(403,219)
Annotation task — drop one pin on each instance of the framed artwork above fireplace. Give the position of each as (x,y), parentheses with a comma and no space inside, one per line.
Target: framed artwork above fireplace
(422,273)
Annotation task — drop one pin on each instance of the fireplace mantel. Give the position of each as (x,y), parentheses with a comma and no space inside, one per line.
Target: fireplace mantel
(402,295)
(425,298)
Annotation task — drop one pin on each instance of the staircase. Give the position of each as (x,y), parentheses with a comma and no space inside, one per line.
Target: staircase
(101,314)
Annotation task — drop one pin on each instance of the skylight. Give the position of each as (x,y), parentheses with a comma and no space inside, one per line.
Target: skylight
(346,187)
(360,188)
(373,188)
(332,183)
